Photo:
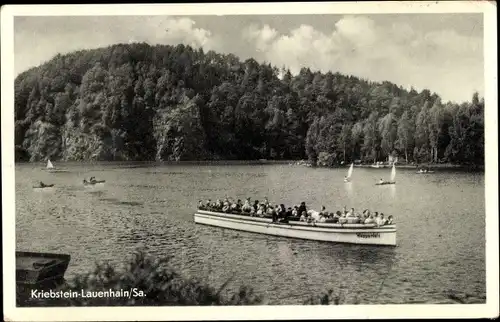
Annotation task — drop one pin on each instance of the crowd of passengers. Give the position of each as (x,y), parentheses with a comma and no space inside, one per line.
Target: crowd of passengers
(280,213)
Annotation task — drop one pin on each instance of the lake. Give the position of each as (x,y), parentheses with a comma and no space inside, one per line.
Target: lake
(440,219)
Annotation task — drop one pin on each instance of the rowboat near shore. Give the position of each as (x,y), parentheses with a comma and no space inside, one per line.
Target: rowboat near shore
(370,234)
(35,268)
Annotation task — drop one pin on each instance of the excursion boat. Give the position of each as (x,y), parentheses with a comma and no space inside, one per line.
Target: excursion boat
(36,268)
(369,234)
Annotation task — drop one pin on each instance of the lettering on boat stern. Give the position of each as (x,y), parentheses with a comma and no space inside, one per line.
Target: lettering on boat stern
(368,235)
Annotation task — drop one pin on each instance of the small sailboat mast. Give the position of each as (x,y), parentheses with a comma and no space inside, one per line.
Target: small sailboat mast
(349,172)
(393,172)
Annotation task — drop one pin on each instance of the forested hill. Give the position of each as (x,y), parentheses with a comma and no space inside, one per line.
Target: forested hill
(142,102)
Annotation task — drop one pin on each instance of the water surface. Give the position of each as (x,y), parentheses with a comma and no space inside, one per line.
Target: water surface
(440,219)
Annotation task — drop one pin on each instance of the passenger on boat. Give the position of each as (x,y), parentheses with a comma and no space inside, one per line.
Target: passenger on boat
(336,216)
(246,206)
(273,214)
(343,220)
(389,220)
(281,211)
(261,212)
(370,220)
(344,211)
(313,215)
(351,213)
(85,181)
(295,211)
(302,208)
(42,185)
(256,205)
(303,216)
(323,211)
(380,220)
(270,211)
(266,202)
(238,205)
(200,204)
(381,181)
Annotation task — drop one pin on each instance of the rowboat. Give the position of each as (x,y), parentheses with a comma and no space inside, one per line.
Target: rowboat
(91,183)
(424,171)
(369,234)
(44,187)
(36,268)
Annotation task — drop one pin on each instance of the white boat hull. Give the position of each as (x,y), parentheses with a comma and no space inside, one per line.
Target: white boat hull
(347,233)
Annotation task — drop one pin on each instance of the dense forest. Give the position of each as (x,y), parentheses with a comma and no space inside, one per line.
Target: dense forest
(142,102)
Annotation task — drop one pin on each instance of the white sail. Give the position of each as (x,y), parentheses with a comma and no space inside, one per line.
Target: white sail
(349,172)
(393,172)
(49,165)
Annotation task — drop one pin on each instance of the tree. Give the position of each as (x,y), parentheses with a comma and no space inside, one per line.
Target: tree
(422,148)
(405,134)
(388,133)
(435,128)
(133,102)
(345,139)
(371,137)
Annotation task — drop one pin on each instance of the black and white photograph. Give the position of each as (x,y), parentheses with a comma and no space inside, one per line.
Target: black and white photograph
(256,161)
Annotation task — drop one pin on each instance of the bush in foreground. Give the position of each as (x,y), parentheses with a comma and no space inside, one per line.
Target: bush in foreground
(154,277)
(163,286)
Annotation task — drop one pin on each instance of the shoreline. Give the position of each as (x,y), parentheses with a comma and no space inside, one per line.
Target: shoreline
(437,166)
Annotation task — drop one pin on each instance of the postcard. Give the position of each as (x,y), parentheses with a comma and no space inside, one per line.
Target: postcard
(216,161)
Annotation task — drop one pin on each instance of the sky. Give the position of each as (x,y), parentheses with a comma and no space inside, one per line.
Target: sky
(442,52)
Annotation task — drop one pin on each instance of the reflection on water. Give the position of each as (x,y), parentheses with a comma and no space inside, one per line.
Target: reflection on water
(392,188)
(153,207)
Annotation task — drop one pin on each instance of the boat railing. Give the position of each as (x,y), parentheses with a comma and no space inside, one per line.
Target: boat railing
(294,220)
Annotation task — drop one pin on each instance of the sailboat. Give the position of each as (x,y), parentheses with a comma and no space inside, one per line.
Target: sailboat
(50,167)
(393,177)
(349,173)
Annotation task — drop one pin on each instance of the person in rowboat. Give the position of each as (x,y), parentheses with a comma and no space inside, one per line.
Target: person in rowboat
(381,180)
(42,185)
